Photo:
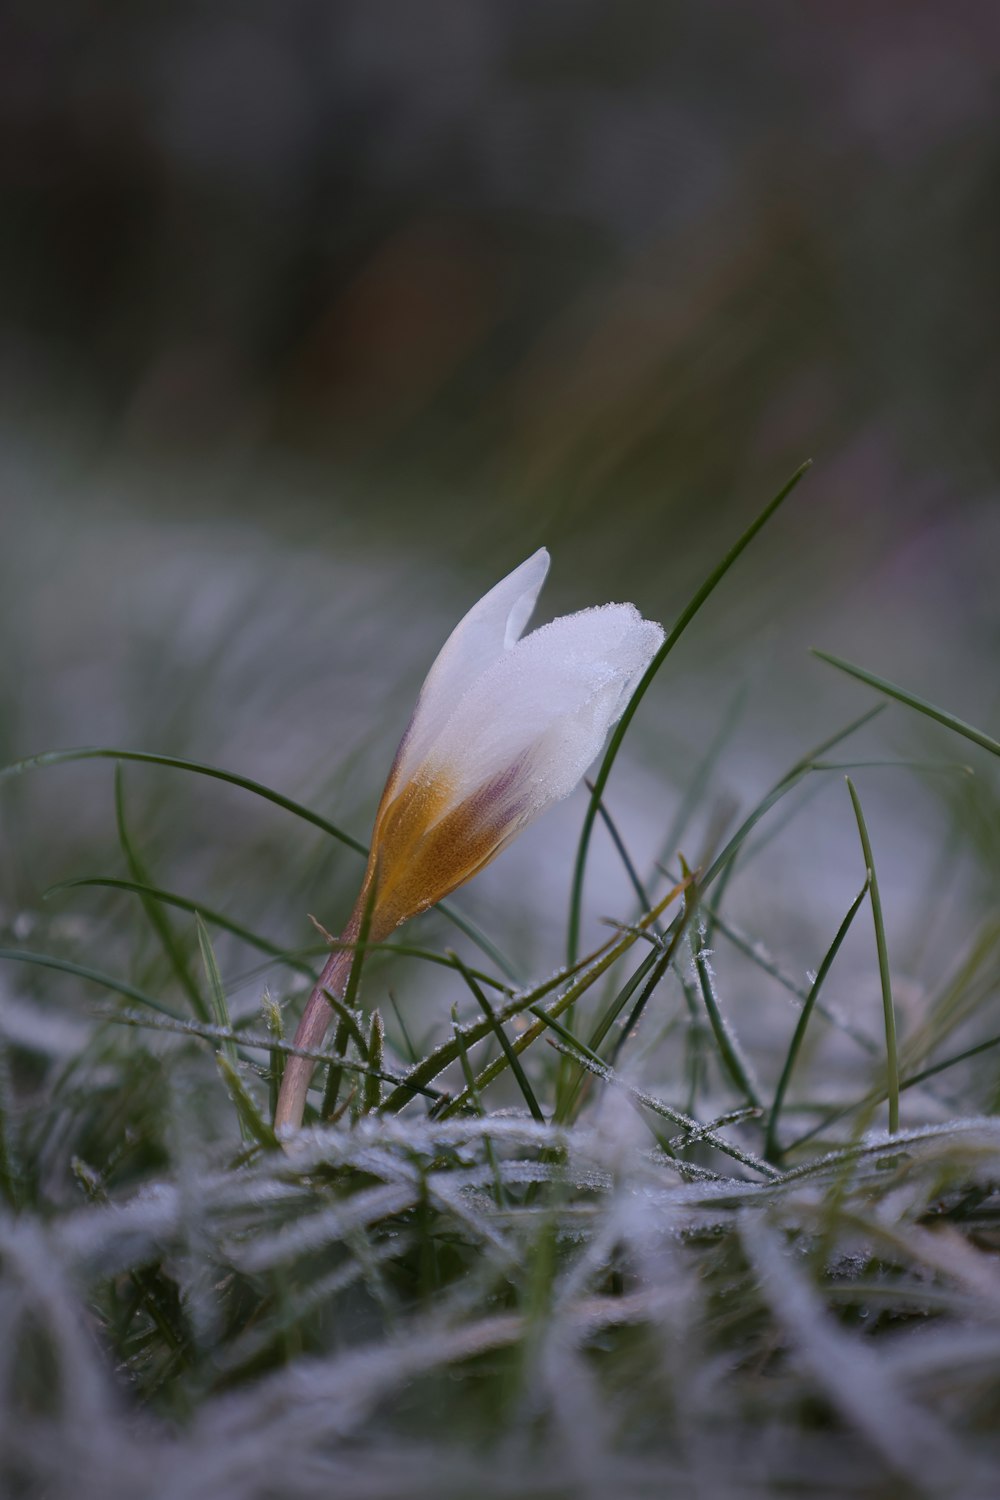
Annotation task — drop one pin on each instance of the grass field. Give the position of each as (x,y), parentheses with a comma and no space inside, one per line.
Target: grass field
(613,1230)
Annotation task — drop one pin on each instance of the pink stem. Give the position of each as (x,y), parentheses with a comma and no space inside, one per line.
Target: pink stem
(311,1030)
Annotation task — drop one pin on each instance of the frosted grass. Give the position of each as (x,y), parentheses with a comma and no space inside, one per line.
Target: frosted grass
(435,1293)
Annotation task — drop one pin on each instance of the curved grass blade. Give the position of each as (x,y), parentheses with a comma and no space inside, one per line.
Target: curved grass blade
(941,715)
(621,728)
(476,935)
(155,893)
(178,763)
(93,976)
(892,1066)
(894,763)
(771,1148)
(291,958)
(247,784)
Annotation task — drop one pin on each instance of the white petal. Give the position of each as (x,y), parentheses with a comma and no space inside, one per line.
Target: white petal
(544,708)
(489,630)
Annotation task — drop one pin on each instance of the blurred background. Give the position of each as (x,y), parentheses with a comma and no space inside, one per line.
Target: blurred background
(318,317)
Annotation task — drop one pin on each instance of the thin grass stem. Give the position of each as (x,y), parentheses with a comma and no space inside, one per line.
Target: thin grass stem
(771,1148)
(922,706)
(891,1063)
(621,728)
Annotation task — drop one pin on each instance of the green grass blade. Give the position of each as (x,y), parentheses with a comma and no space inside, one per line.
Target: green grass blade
(655,976)
(620,848)
(753,951)
(894,763)
(372,1094)
(891,1062)
(648,975)
(930,710)
(93,976)
(426,955)
(157,917)
(514,1061)
(446,1053)
(771,1149)
(781,788)
(178,763)
(348,1023)
(258,789)
(290,958)
(499,1191)
(253,1126)
(485,944)
(276,1068)
(912,1080)
(531,1035)
(949,1062)
(154,893)
(404,1030)
(216,990)
(589,973)
(655,961)
(730,1053)
(335,1070)
(621,728)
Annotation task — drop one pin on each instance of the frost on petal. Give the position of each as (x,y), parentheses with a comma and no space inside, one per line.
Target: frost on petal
(545,707)
(489,630)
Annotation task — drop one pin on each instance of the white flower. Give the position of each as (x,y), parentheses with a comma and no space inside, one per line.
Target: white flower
(506,724)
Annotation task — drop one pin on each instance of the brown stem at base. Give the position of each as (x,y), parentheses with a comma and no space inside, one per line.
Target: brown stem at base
(310,1032)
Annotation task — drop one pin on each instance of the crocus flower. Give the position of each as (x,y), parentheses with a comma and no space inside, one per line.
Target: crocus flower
(506,724)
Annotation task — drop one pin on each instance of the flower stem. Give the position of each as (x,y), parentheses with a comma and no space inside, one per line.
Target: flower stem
(311,1030)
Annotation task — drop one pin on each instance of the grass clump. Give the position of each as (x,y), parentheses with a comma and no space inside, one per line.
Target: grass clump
(609,1232)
